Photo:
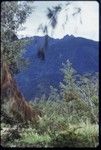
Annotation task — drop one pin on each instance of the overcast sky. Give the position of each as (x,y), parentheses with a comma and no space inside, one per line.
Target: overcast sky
(87,28)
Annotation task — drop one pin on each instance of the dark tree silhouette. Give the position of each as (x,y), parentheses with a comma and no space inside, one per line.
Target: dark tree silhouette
(41,54)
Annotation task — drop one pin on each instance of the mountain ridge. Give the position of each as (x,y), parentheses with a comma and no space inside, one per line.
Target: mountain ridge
(37,78)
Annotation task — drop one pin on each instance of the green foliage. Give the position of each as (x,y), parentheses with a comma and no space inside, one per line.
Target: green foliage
(69,86)
(12,55)
(56,133)
(31,137)
(84,135)
(80,91)
(13,15)
(58,130)
(69,118)
(65,121)
(54,96)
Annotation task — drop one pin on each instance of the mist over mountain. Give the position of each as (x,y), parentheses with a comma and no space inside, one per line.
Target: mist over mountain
(36,79)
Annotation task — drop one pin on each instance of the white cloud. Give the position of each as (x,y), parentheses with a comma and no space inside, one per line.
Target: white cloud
(89,15)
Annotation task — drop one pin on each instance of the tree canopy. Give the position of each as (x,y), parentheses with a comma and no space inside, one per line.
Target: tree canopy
(13,15)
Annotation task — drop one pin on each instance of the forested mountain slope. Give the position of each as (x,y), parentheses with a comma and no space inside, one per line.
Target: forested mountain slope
(36,79)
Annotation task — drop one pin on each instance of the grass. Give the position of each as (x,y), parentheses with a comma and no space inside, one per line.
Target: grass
(69,118)
(34,139)
(58,127)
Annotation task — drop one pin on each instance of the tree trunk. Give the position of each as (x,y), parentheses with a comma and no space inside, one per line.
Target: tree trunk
(19,107)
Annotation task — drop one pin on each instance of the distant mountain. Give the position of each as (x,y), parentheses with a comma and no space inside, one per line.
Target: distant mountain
(37,78)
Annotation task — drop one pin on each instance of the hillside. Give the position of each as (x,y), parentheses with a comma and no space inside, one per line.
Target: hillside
(36,79)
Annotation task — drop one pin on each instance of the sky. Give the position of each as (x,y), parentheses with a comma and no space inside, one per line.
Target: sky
(85,24)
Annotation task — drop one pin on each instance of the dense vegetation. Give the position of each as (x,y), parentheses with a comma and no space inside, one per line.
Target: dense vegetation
(69,117)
